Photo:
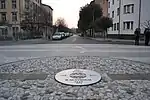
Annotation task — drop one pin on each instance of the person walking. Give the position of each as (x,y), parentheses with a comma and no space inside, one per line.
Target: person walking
(137,35)
(147,36)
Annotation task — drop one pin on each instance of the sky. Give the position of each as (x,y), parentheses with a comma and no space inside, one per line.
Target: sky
(67,9)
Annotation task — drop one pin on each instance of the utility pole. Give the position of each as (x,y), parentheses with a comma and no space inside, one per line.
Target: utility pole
(139,13)
(93,21)
(20,18)
(119,19)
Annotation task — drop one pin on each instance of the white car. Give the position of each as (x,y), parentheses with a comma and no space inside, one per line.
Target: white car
(57,36)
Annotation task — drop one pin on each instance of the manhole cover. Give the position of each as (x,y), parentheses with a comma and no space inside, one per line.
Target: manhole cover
(78,77)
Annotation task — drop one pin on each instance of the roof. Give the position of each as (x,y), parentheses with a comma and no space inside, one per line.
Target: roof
(48,6)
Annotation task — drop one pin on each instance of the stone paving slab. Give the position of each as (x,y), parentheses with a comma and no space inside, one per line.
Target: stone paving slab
(49,89)
(23,76)
(129,76)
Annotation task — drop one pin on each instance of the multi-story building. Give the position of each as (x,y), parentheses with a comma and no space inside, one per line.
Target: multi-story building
(47,17)
(128,15)
(104,6)
(11,15)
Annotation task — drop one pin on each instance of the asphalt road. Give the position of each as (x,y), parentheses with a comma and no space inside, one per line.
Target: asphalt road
(74,46)
(75,40)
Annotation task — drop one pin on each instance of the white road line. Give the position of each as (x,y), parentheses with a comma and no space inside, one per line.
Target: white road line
(74,40)
(81,49)
(72,45)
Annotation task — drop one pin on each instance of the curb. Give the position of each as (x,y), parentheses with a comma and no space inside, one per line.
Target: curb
(116,42)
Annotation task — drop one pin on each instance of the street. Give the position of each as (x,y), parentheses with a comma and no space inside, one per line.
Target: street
(73,46)
(22,79)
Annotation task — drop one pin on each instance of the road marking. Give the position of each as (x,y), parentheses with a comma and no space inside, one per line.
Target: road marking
(74,40)
(77,45)
(79,49)
(83,50)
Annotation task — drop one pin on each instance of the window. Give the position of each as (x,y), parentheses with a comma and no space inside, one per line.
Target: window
(112,2)
(115,27)
(128,25)
(3,16)
(112,27)
(3,4)
(4,31)
(27,4)
(129,9)
(14,6)
(108,14)
(112,14)
(132,8)
(131,25)
(14,16)
(108,4)
(15,30)
(118,11)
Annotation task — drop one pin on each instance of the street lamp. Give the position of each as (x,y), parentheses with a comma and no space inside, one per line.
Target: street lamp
(139,13)
(93,22)
(119,19)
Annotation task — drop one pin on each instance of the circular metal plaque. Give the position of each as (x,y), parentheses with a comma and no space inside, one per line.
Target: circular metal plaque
(78,77)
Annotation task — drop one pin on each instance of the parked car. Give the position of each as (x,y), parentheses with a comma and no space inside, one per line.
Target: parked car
(65,35)
(71,34)
(57,36)
(68,34)
(62,34)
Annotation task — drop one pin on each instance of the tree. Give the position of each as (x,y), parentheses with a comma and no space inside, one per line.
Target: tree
(35,20)
(103,23)
(29,20)
(146,24)
(61,21)
(61,25)
(87,15)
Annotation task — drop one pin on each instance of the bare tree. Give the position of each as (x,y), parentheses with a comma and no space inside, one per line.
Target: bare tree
(146,24)
(29,18)
(61,21)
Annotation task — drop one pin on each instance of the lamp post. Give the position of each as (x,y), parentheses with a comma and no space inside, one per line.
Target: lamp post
(119,18)
(139,14)
(93,22)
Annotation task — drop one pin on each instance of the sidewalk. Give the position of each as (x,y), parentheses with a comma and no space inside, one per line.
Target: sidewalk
(30,41)
(115,41)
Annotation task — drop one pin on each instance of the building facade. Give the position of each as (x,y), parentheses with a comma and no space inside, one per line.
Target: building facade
(11,15)
(104,5)
(47,17)
(128,15)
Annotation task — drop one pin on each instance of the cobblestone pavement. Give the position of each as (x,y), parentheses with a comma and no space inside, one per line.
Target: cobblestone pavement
(24,87)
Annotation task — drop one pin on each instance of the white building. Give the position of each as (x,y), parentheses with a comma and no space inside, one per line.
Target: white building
(126,19)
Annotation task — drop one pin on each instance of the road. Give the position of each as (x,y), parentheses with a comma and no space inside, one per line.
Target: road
(74,46)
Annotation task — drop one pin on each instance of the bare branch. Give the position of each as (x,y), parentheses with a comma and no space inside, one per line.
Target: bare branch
(146,24)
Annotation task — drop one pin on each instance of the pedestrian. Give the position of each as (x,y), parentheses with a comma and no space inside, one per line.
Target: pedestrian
(147,36)
(137,35)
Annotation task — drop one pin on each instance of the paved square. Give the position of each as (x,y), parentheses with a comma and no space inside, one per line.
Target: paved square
(48,89)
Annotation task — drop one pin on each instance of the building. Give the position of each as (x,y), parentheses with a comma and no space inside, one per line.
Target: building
(11,15)
(47,18)
(104,6)
(127,15)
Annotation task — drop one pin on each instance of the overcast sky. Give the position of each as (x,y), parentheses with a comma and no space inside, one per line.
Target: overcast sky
(67,9)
